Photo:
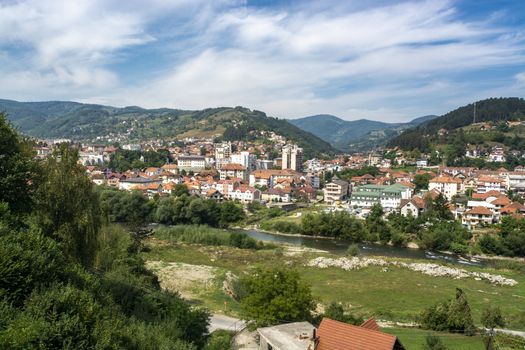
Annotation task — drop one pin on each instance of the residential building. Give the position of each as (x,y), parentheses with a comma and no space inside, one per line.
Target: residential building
(335,335)
(233,170)
(172,168)
(244,158)
(336,190)
(245,194)
(130,183)
(479,215)
(191,163)
(516,182)
(292,158)
(489,183)
(275,195)
(413,207)
(289,336)
(448,186)
(389,196)
(223,151)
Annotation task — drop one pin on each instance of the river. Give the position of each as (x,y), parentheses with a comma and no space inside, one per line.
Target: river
(339,247)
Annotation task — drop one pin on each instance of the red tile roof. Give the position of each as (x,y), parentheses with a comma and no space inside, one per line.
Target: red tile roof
(232,167)
(371,324)
(479,210)
(335,335)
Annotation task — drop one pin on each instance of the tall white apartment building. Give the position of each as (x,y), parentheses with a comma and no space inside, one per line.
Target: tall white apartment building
(292,158)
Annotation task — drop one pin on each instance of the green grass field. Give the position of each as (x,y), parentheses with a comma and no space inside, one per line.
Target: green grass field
(396,295)
(414,339)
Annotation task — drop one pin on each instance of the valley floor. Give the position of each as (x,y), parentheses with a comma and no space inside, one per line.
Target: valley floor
(393,294)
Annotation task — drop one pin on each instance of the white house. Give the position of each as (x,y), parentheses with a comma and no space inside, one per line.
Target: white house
(446,185)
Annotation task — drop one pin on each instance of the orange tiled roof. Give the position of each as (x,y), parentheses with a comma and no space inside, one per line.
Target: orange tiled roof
(371,324)
(491,193)
(480,210)
(489,179)
(232,167)
(501,201)
(512,208)
(335,335)
(445,179)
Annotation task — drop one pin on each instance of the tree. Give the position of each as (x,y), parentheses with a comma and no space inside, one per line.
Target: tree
(230,213)
(453,315)
(274,295)
(378,229)
(337,312)
(491,317)
(68,208)
(433,342)
(180,189)
(437,208)
(421,181)
(17,170)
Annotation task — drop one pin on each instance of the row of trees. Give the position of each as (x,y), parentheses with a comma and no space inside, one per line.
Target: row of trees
(509,239)
(68,279)
(136,210)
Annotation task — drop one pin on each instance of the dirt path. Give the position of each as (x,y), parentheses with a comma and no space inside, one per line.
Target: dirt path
(183,278)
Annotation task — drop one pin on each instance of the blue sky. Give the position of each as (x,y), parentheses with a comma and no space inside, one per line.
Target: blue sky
(382,60)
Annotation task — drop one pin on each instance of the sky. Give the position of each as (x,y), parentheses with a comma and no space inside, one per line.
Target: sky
(383,60)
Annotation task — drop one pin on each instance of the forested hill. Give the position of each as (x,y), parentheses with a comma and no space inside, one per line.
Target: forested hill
(90,122)
(489,110)
(355,135)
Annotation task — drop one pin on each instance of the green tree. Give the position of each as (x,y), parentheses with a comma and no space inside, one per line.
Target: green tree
(274,295)
(421,181)
(230,212)
(336,311)
(68,208)
(491,317)
(17,170)
(453,315)
(433,342)
(180,189)
(378,229)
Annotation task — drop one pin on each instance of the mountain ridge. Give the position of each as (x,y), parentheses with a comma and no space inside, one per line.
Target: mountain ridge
(487,110)
(93,122)
(353,134)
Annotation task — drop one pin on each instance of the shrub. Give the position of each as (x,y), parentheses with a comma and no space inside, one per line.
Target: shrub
(353,250)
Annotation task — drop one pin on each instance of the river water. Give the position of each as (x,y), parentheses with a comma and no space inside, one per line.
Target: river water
(339,247)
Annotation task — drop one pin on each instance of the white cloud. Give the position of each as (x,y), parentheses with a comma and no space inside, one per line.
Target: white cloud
(520,78)
(392,62)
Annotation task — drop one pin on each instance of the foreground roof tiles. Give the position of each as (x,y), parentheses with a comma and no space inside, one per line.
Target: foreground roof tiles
(334,335)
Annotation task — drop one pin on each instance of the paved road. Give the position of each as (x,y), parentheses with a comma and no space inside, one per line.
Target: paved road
(218,321)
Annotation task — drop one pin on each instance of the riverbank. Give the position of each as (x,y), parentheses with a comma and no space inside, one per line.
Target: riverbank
(397,294)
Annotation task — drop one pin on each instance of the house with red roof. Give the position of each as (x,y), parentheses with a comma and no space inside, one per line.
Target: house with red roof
(331,335)
(477,216)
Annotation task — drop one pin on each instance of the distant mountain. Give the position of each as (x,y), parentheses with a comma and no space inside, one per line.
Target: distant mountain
(91,122)
(489,110)
(359,134)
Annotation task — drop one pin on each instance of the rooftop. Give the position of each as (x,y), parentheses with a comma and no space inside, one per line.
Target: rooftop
(289,336)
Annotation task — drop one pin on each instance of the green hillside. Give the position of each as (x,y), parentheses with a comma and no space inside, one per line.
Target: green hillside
(494,110)
(89,122)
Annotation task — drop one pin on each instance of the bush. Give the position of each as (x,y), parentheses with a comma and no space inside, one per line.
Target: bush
(453,315)
(219,340)
(353,250)
(337,312)
(433,342)
(208,236)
